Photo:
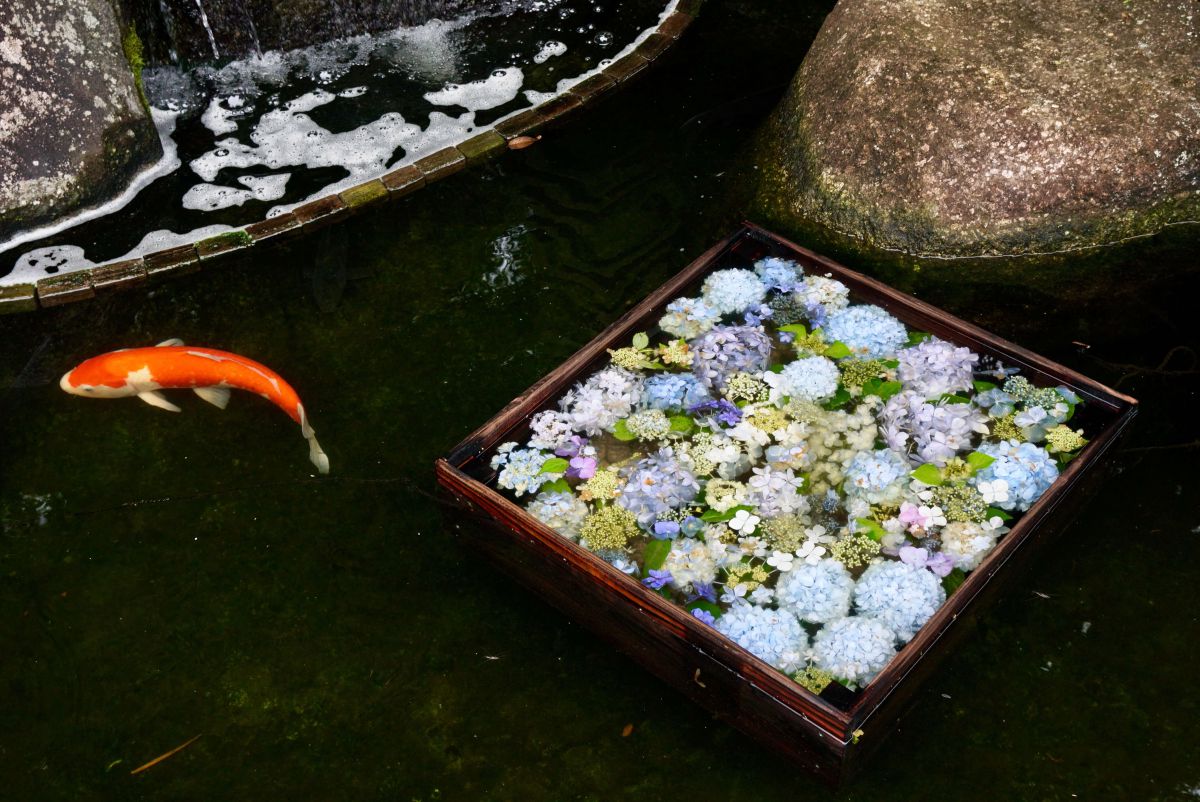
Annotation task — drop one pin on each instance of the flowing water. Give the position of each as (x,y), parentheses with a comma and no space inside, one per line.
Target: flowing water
(166,576)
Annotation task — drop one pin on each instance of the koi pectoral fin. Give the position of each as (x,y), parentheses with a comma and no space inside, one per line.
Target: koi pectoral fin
(156,399)
(217,396)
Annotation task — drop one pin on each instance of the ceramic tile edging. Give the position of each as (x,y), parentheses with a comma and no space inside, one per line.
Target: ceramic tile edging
(103,279)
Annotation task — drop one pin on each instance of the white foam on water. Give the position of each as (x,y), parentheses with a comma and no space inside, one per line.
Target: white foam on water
(549,50)
(164,122)
(218,117)
(210,197)
(497,89)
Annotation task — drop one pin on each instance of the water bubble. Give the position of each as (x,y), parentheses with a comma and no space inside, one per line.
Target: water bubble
(221,152)
(604,38)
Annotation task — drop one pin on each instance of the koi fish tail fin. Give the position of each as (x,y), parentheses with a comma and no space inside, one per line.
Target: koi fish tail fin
(315,452)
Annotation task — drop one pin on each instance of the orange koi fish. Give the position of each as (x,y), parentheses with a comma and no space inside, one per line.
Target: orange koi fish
(210,373)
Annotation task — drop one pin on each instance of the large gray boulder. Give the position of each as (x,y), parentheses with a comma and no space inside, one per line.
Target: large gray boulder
(72,125)
(975,127)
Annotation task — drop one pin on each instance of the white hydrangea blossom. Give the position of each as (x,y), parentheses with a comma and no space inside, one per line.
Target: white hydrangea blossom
(774,636)
(688,318)
(855,648)
(550,430)
(774,492)
(816,592)
(813,378)
(733,291)
(690,561)
(900,595)
(607,396)
(967,543)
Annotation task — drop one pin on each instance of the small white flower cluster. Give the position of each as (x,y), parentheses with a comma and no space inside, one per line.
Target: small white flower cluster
(900,595)
(814,378)
(733,291)
(649,424)
(606,397)
(550,429)
(723,495)
(854,649)
(774,636)
(561,511)
(936,367)
(816,592)
(834,440)
(823,296)
(868,331)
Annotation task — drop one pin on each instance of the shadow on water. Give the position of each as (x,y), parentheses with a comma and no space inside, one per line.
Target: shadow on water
(164,576)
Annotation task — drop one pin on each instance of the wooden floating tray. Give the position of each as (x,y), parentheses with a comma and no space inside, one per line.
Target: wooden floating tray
(818,731)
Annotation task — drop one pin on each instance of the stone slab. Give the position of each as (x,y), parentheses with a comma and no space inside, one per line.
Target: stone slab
(654,46)
(439,164)
(172,262)
(404,181)
(518,124)
(223,243)
(674,25)
(18,298)
(591,88)
(65,288)
(114,276)
(278,227)
(624,69)
(321,212)
(482,146)
(364,195)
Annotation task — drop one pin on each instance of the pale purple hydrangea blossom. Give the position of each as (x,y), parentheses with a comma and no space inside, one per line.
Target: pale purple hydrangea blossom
(728,349)
(935,367)
(928,432)
(656,484)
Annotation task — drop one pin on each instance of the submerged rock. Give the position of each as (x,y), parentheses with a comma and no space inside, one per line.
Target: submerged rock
(73,128)
(975,127)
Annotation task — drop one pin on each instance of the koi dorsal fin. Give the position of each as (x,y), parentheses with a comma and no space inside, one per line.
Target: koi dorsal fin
(172,341)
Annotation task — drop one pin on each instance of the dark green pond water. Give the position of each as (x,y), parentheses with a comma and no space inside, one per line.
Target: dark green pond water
(166,576)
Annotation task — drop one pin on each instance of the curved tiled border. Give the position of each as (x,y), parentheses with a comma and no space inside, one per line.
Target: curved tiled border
(184,259)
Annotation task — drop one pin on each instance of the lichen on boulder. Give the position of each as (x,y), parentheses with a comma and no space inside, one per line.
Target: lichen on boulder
(73,127)
(950,128)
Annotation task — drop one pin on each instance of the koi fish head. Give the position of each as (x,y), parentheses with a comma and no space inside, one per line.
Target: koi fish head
(97,378)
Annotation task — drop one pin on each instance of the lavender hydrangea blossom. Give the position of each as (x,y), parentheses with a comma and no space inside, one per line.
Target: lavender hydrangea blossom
(935,367)
(929,432)
(727,350)
(781,275)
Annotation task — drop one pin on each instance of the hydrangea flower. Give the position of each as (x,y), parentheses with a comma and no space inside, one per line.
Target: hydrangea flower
(778,274)
(689,318)
(936,367)
(656,484)
(816,592)
(939,564)
(773,492)
(561,511)
(521,469)
(723,495)
(550,430)
(1028,469)
(774,636)
(597,404)
(878,477)
(821,297)
(673,392)
(929,432)
(691,564)
(649,424)
(967,543)
(733,291)
(726,350)
(867,331)
(900,595)
(814,378)
(854,648)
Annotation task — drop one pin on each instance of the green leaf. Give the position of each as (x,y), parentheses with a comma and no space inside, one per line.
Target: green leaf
(714,517)
(701,604)
(982,386)
(776,368)
(555,465)
(795,328)
(929,474)
(839,398)
(952,398)
(557,486)
(952,580)
(917,337)
(681,423)
(978,460)
(872,528)
(640,340)
(621,431)
(996,512)
(884,390)
(891,363)
(839,350)
(655,555)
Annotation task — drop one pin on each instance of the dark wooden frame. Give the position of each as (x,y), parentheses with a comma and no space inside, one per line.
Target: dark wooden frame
(829,734)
